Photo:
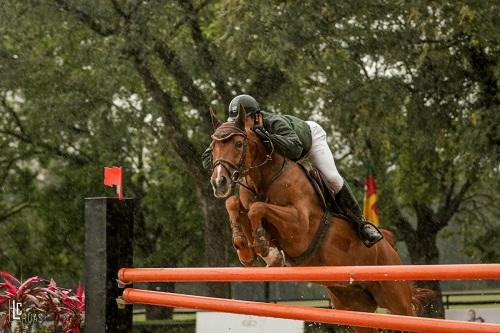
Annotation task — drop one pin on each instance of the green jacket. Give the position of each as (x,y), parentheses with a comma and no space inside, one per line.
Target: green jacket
(290,135)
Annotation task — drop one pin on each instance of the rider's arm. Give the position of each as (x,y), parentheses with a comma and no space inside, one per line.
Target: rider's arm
(284,137)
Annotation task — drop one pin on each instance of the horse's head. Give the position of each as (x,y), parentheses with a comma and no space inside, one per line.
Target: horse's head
(231,153)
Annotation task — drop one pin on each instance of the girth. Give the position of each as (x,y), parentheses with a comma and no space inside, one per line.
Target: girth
(325,223)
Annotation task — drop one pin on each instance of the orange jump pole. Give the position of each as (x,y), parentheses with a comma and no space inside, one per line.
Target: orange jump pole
(331,316)
(335,273)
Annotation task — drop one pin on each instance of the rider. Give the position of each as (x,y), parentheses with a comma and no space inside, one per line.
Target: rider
(295,139)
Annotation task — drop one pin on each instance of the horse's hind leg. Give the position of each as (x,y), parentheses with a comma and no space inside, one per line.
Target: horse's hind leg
(240,226)
(353,298)
(396,296)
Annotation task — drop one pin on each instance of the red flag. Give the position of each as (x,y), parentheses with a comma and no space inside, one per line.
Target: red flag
(112,177)
(370,202)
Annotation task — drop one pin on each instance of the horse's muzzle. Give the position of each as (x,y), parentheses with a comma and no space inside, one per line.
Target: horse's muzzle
(222,186)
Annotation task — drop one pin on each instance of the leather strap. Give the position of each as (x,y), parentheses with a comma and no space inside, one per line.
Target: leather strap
(326,221)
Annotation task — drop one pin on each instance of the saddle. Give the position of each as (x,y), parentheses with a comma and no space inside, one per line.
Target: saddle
(321,186)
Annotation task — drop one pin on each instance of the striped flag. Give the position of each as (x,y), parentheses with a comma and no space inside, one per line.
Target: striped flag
(370,200)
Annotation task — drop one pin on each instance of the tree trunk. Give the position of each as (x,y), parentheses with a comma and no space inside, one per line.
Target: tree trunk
(216,238)
(426,252)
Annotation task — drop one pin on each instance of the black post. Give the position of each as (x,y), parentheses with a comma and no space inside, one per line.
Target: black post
(267,291)
(109,225)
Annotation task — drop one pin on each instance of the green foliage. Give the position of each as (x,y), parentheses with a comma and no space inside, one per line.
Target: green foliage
(173,221)
(408,86)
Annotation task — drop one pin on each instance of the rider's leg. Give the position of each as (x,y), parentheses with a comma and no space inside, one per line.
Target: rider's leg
(349,206)
(322,158)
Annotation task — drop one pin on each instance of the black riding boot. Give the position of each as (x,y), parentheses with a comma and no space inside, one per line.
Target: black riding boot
(348,205)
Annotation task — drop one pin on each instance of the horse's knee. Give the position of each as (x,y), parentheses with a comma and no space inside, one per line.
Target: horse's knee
(255,213)
(233,203)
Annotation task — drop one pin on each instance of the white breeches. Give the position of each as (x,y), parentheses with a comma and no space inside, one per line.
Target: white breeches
(321,156)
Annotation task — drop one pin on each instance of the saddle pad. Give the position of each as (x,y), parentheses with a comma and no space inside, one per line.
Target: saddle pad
(320,184)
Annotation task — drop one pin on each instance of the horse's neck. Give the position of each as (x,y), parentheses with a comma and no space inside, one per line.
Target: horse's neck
(261,178)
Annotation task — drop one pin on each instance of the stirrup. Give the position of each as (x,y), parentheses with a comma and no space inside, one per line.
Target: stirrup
(369,239)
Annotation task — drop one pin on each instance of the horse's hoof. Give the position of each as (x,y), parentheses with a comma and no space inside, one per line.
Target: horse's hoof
(248,260)
(240,242)
(250,263)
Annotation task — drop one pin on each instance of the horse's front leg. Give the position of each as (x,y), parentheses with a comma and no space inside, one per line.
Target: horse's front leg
(287,222)
(239,221)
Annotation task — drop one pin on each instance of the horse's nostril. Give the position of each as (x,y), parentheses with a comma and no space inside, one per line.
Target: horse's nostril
(221,181)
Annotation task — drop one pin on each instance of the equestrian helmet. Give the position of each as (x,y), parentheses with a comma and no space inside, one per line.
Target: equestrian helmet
(248,102)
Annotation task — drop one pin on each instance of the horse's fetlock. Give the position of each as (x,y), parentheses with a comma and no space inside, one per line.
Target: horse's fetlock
(261,244)
(236,229)
(262,248)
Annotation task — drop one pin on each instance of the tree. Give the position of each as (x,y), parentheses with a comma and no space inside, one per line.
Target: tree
(91,122)
(411,87)
(92,41)
(448,104)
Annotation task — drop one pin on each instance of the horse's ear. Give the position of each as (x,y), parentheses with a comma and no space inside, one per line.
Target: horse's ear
(215,121)
(240,120)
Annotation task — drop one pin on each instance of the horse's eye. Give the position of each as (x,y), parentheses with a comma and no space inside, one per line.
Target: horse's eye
(239,144)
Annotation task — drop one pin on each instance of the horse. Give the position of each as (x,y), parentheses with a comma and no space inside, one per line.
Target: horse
(279,217)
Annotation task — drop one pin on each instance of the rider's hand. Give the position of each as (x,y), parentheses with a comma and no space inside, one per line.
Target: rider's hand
(264,136)
(261,131)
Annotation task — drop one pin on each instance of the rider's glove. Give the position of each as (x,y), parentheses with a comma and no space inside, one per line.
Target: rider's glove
(264,136)
(206,158)
(261,132)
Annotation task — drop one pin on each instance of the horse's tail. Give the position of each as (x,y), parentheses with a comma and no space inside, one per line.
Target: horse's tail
(421,297)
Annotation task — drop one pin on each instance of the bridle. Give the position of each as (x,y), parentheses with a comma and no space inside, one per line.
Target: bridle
(238,172)
(235,171)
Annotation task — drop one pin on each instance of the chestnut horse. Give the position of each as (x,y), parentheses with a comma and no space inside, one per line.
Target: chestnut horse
(277,216)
